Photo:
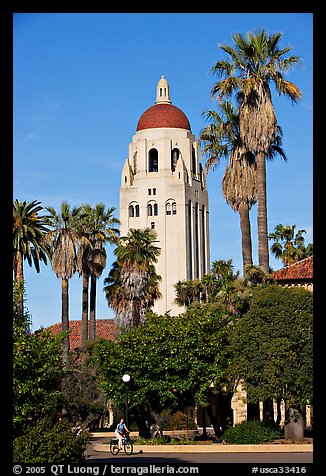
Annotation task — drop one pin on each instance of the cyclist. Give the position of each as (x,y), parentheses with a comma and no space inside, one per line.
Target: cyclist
(120,432)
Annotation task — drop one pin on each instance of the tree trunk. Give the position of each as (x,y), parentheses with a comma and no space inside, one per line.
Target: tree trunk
(294,424)
(279,414)
(65,319)
(92,310)
(253,412)
(268,412)
(19,276)
(263,252)
(85,309)
(245,235)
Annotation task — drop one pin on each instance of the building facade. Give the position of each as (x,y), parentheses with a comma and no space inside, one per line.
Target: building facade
(163,187)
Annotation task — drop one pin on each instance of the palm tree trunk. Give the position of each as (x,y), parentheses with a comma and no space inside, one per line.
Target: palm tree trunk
(263,253)
(65,319)
(19,277)
(245,235)
(92,310)
(85,309)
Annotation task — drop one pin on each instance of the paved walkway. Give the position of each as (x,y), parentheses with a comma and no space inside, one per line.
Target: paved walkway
(102,444)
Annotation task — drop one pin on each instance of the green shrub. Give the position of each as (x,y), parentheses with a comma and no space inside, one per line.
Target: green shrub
(49,442)
(250,432)
(180,421)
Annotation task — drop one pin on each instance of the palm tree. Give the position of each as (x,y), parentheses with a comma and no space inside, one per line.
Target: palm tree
(223,270)
(288,245)
(101,230)
(222,138)
(135,271)
(29,239)
(254,63)
(65,235)
(84,250)
(189,291)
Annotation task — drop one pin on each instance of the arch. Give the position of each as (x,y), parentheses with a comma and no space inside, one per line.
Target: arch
(134,210)
(193,157)
(152,209)
(170,207)
(175,153)
(153,160)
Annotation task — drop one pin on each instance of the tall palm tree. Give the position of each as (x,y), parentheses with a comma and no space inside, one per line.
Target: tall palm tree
(65,235)
(135,272)
(289,245)
(221,138)
(101,229)
(255,62)
(29,239)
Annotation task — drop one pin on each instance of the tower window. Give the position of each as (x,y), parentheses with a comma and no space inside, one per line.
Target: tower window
(168,208)
(153,160)
(149,191)
(154,191)
(131,211)
(155,207)
(174,158)
(174,208)
(153,225)
(149,210)
(137,210)
(194,171)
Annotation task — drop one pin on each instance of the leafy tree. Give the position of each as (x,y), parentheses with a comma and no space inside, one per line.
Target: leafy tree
(50,441)
(64,234)
(172,361)
(133,278)
(272,345)
(289,245)
(253,63)
(37,373)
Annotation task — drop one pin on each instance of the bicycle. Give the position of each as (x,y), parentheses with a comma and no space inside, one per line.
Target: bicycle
(127,445)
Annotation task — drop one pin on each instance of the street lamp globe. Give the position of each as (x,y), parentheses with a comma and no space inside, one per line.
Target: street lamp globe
(126,378)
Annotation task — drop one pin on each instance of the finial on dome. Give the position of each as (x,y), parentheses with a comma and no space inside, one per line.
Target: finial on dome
(162,92)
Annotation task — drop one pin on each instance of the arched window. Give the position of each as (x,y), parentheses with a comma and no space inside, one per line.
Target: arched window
(174,158)
(155,208)
(153,160)
(194,171)
(149,210)
(134,210)
(171,207)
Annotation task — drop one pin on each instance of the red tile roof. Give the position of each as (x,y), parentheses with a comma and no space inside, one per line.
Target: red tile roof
(163,115)
(104,328)
(302,270)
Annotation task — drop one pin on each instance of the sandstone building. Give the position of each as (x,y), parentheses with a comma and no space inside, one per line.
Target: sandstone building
(163,187)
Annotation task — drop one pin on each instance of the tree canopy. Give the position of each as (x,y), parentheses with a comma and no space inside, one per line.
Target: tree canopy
(272,345)
(172,361)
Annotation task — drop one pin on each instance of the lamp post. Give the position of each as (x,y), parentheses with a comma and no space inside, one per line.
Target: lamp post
(126,379)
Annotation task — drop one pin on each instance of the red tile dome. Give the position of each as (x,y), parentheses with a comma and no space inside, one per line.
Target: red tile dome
(163,115)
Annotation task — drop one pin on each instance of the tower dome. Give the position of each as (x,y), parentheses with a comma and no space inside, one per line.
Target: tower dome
(163,113)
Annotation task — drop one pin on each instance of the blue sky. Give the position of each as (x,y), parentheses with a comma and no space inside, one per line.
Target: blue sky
(81,83)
